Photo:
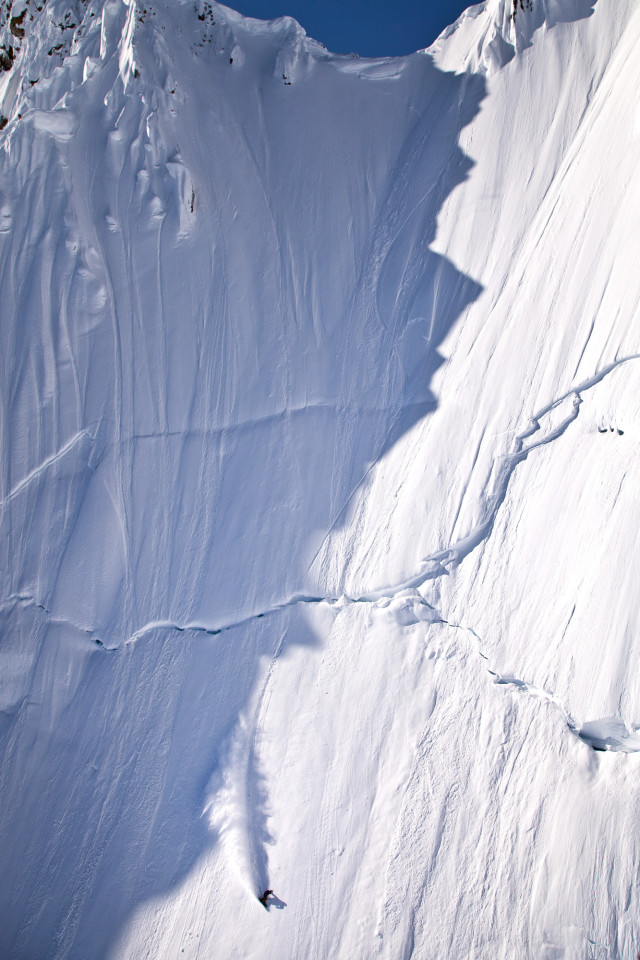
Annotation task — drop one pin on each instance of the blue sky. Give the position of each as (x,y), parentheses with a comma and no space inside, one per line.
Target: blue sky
(372,28)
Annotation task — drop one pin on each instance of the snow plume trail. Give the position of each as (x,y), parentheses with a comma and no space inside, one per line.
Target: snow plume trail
(237,797)
(233,793)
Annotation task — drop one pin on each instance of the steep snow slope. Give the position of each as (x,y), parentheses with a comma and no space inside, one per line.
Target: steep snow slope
(318,421)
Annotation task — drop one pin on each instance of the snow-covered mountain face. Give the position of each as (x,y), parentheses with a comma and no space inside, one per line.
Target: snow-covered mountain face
(319,402)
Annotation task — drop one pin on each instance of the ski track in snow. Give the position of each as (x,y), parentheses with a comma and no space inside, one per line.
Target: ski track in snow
(237,807)
(82,435)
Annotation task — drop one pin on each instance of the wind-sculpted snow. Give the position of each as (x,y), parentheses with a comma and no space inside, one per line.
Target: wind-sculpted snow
(196,251)
(143,205)
(273,323)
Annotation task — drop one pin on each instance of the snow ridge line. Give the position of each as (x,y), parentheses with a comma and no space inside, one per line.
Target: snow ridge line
(215,631)
(170,625)
(610,734)
(26,600)
(529,688)
(435,565)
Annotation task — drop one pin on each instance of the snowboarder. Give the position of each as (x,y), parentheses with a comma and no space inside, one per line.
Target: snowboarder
(263,898)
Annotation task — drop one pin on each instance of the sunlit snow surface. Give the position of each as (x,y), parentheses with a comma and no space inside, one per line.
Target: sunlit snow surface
(319,405)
